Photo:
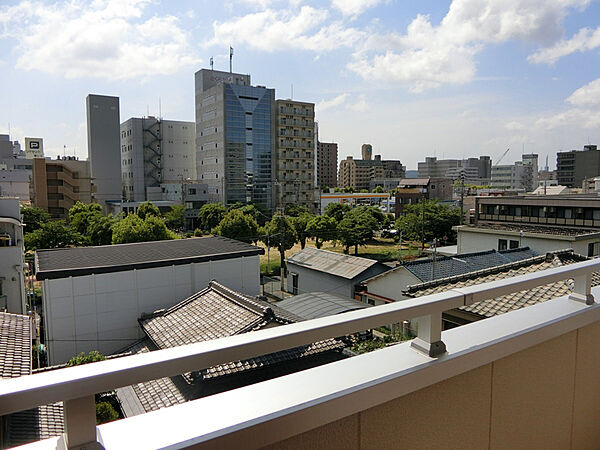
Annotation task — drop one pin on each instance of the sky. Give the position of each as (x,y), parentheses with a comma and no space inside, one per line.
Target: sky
(450,79)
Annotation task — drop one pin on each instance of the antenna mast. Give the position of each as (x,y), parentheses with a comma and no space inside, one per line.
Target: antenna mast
(212,63)
(230,59)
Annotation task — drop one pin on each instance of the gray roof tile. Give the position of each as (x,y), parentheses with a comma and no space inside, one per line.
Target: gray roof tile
(15,345)
(35,424)
(313,305)
(338,264)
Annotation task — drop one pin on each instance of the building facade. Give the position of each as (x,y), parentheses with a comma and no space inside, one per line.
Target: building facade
(415,190)
(59,184)
(295,175)
(327,154)
(15,183)
(446,168)
(522,175)
(12,281)
(154,153)
(235,140)
(103,127)
(574,166)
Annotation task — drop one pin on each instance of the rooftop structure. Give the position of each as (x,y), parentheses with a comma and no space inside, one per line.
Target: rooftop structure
(313,305)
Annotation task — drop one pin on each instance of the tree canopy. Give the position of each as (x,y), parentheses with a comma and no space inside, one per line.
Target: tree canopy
(238,225)
(357,228)
(147,209)
(300,224)
(175,218)
(281,234)
(33,218)
(54,234)
(322,228)
(210,215)
(135,229)
(438,223)
(337,210)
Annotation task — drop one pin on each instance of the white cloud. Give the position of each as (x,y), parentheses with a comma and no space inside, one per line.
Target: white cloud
(514,126)
(585,39)
(588,95)
(354,7)
(104,39)
(324,105)
(272,30)
(428,56)
(361,105)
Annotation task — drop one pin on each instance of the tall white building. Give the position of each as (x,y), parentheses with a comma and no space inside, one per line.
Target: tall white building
(157,156)
(12,282)
(520,175)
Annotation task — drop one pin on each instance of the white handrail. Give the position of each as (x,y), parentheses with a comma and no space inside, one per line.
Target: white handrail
(83,381)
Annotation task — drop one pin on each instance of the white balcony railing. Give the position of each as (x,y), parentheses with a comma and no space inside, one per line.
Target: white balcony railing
(76,386)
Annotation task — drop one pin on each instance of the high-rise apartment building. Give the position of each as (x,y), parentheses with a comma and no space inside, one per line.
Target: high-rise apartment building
(59,184)
(574,166)
(103,132)
(361,173)
(446,168)
(295,123)
(327,154)
(154,153)
(235,138)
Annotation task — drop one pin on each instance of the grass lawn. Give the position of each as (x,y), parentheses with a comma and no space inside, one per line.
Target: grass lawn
(379,249)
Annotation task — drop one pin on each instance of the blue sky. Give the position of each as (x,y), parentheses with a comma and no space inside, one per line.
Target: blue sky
(446,78)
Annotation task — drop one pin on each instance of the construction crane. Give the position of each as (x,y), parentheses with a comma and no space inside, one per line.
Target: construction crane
(502,157)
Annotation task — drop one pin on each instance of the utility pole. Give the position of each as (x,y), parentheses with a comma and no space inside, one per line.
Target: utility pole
(400,249)
(462,196)
(422,223)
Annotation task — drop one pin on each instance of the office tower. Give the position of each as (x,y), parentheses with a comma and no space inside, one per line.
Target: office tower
(574,166)
(296,152)
(59,184)
(103,128)
(235,140)
(155,153)
(327,154)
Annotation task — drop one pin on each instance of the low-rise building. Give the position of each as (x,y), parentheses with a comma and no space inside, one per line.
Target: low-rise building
(315,270)
(574,166)
(93,296)
(415,190)
(12,280)
(542,222)
(59,184)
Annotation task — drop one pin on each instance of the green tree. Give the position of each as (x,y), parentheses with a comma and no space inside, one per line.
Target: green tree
(147,209)
(295,210)
(82,215)
(356,228)
(33,218)
(322,228)
(55,234)
(84,358)
(133,229)
(337,210)
(281,234)
(175,218)
(210,215)
(100,231)
(300,224)
(237,225)
(105,412)
(257,212)
(379,190)
(427,221)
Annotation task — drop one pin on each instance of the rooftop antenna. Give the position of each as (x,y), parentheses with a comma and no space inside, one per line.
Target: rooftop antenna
(159,109)
(212,63)
(64,151)
(147,110)
(230,59)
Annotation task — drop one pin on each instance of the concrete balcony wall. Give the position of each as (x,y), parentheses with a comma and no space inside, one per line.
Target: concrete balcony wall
(544,397)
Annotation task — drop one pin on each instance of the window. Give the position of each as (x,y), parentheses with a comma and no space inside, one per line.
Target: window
(502,244)
(591,249)
(514,244)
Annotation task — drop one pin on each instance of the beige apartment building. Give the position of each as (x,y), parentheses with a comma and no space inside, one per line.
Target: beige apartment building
(357,173)
(327,153)
(296,144)
(59,184)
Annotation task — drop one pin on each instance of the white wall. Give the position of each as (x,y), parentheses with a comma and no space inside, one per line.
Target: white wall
(100,312)
(469,241)
(315,281)
(392,284)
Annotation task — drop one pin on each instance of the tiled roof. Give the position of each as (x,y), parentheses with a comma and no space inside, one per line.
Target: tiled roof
(319,304)
(413,182)
(15,345)
(536,229)
(448,266)
(338,264)
(64,262)
(509,302)
(43,422)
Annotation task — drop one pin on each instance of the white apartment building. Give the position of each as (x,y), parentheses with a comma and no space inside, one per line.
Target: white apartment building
(155,153)
(12,282)
(520,175)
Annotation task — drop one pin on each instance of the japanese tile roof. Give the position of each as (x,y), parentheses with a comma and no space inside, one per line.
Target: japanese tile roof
(509,302)
(213,313)
(15,345)
(413,182)
(64,262)
(448,266)
(313,305)
(338,264)
(43,422)
(536,229)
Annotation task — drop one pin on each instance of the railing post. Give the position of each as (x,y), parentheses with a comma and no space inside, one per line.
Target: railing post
(429,335)
(582,289)
(80,425)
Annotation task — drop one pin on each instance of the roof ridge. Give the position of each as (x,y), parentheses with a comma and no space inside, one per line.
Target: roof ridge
(175,307)
(241,299)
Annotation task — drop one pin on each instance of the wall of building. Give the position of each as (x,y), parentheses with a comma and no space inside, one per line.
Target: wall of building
(12,282)
(327,154)
(15,183)
(391,284)
(314,281)
(100,312)
(510,403)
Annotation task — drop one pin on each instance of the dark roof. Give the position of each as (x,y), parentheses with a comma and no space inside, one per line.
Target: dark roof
(536,229)
(212,313)
(448,266)
(414,182)
(64,262)
(313,305)
(35,424)
(337,264)
(15,345)
(509,302)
